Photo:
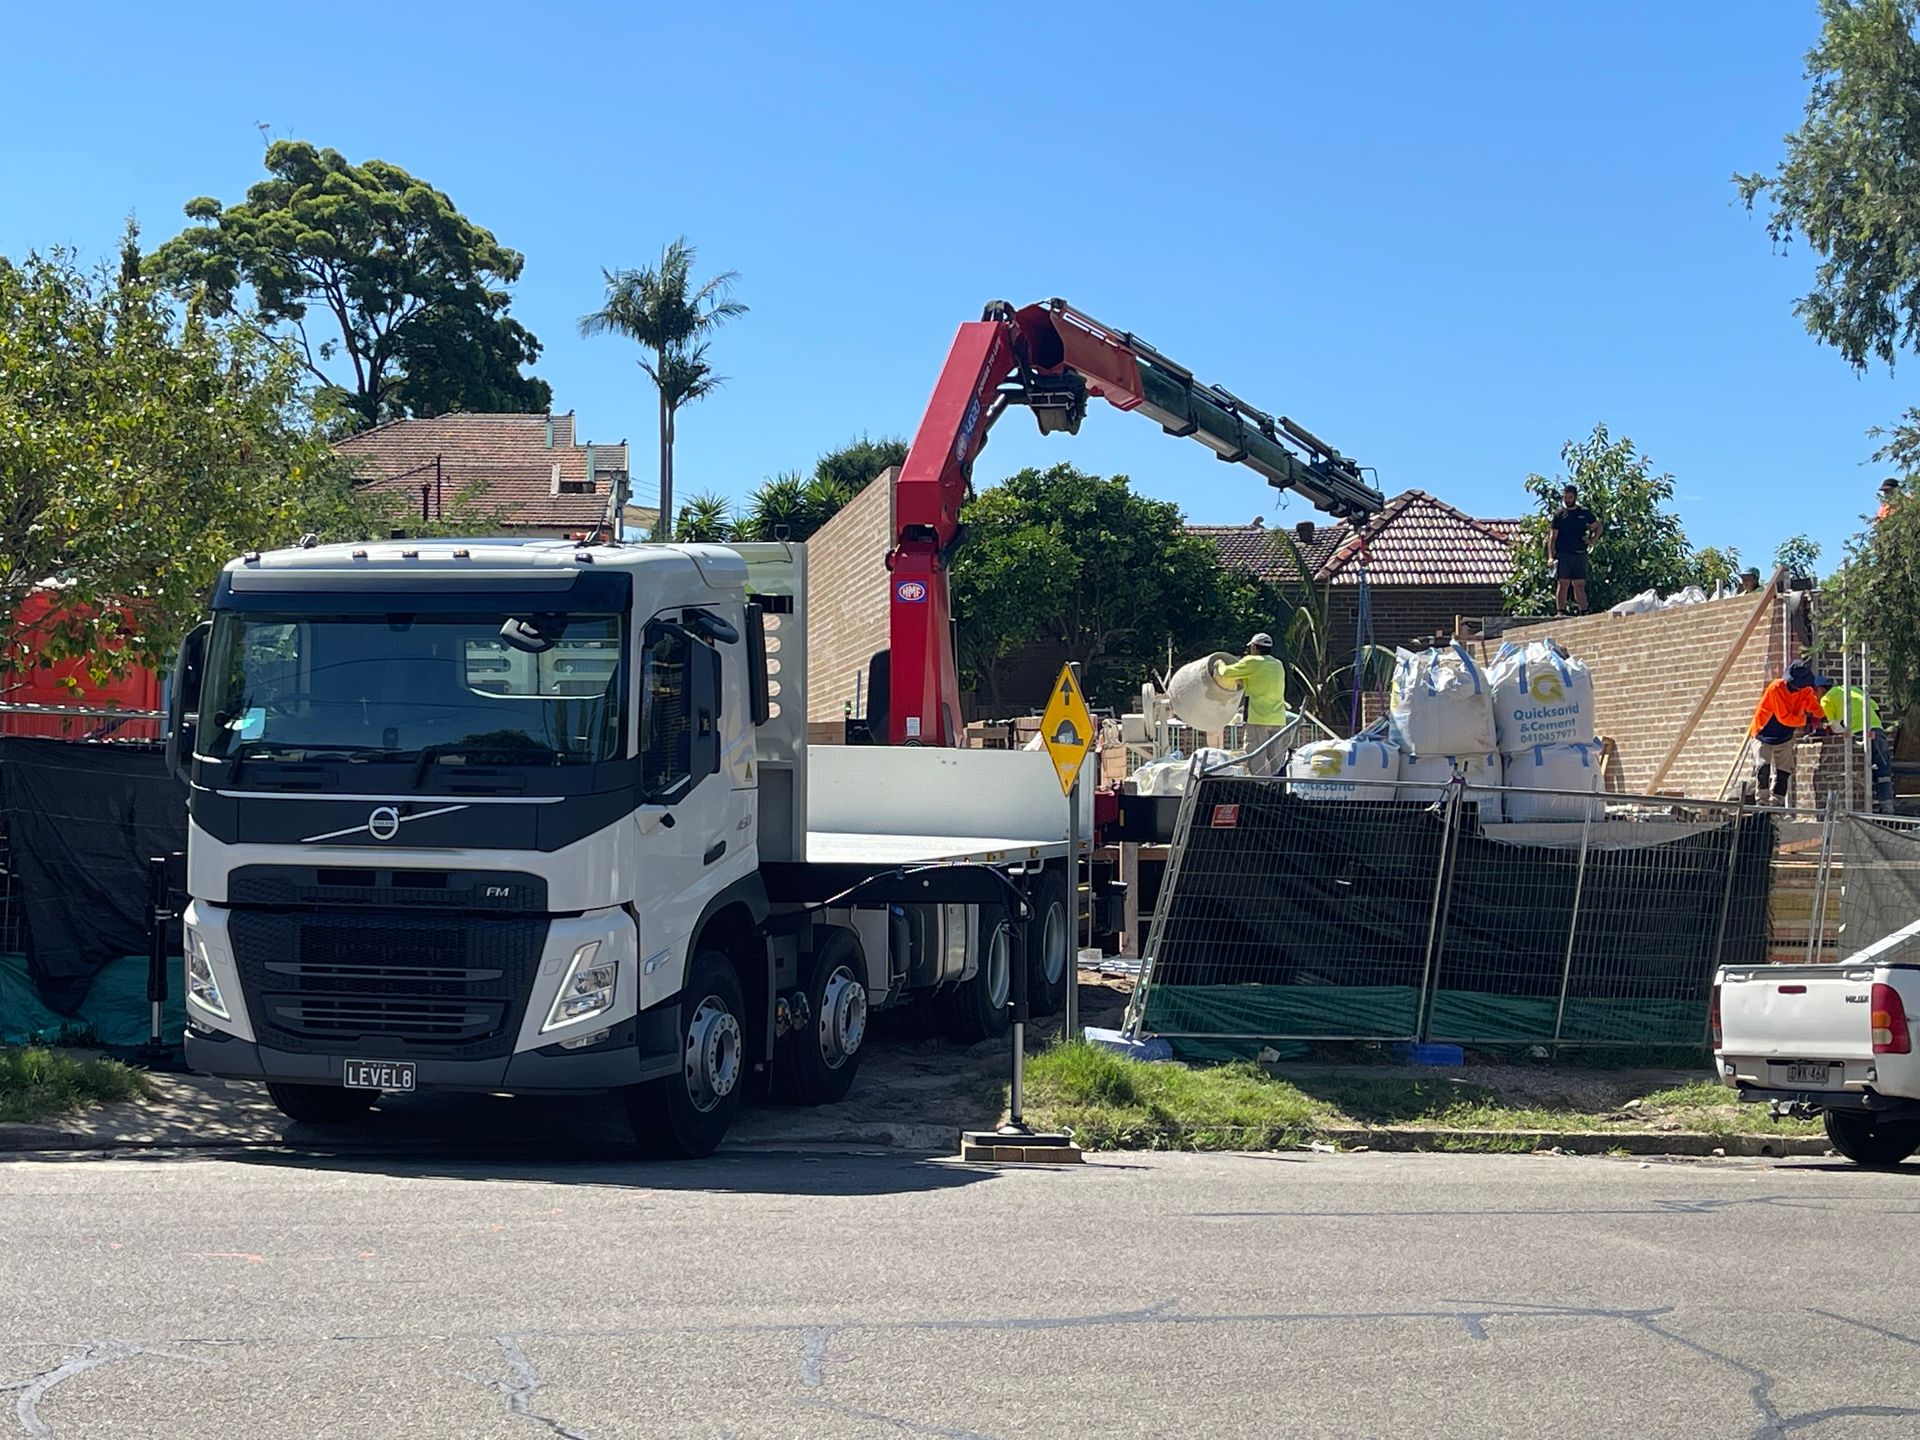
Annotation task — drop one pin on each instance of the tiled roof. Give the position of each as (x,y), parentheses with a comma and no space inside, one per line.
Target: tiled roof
(1257,548)
(1415,540)
(501,465)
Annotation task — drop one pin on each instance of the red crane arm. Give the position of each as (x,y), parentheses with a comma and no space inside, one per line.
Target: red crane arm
(1050,358)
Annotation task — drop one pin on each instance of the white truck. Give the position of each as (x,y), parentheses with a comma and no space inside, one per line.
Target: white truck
(541,816)
(1833,1039)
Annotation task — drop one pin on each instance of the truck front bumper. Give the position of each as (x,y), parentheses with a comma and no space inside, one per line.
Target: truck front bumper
(643,1047)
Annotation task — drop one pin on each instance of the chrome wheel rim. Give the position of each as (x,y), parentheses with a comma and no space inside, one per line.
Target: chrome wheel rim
(714,1054)
(843,1018)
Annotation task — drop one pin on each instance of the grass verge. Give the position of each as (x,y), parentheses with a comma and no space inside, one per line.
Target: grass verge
(39,1084)
(1111,1102)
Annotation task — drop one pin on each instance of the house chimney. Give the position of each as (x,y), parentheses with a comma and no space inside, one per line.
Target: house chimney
(549,430)
(553,485)
(1303,532)
(590,487)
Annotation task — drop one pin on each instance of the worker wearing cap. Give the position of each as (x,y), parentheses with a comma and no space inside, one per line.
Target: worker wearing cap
(1847,708)
(1263,679)
(1789,709)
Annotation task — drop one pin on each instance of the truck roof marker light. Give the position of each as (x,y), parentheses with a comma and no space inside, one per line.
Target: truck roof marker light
(359,554)
(463,554)
(1892,1035)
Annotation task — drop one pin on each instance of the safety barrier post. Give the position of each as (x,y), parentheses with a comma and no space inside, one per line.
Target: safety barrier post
(1573,926)
(1733,869)
(1437,910)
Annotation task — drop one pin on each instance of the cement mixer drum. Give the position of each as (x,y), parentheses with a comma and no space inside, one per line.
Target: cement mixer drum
(1199,700)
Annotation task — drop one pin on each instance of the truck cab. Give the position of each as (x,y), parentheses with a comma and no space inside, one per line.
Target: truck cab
(502,816)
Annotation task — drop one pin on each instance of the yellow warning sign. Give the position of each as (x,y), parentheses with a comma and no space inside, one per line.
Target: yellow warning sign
(1067,728)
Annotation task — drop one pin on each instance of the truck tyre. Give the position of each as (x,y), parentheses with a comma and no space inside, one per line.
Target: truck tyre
(1050,945)
(686,1115)
(815,1063)
(977,1009)
(321,1104)
(1868,1140)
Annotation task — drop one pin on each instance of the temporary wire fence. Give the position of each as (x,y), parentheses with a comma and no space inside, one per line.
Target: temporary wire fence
(1289,918)
(1869,876)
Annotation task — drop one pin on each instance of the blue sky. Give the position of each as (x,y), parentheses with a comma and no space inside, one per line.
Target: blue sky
(1446,238)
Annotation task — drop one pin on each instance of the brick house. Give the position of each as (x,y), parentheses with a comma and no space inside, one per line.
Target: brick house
(1426,564)
(522,474)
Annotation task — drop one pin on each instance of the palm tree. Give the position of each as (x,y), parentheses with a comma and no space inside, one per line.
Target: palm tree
(664,311)
(778,509)
(705,519)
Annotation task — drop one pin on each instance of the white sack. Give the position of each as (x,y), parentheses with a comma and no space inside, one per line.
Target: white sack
(1344,770)
(1577,768)
(1440,703)
(1425,778)
(1541,696)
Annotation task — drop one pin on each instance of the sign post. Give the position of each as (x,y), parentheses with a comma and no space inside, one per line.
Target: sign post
(1067,731)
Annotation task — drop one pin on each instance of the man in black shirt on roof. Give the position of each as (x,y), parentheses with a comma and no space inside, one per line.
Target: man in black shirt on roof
(1574,527)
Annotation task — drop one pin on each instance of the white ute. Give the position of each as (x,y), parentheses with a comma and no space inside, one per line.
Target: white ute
(1835,1040)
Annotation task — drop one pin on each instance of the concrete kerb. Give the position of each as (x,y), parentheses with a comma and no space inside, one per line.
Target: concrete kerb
(943,1139)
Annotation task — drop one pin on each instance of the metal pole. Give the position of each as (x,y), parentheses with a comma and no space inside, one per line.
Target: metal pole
(1073,899)
(1573,925)
(1017,928)
(1846,713)
(1726,898)
(1866,730)
(1437,912)
(1817,916)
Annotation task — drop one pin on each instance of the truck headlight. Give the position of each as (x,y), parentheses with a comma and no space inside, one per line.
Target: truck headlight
(585,991)
(202,989)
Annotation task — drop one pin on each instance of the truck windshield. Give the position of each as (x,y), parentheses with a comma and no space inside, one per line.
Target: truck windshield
(428,688)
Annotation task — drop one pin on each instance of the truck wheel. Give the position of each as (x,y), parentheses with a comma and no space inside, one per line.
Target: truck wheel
(321,1104)
(685,1116)
(1050,945)
(1868,1140)
(815,1064)
(977,1009)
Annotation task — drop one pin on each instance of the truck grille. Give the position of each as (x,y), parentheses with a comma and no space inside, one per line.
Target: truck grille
(412,985)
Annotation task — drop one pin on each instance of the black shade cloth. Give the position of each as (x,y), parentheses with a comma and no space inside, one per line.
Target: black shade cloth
(82,822)
(1277,890)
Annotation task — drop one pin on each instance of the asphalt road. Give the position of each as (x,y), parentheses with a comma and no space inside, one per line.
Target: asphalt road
(760,1294)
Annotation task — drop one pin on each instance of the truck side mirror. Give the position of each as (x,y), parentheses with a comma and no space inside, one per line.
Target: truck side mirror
(183,700)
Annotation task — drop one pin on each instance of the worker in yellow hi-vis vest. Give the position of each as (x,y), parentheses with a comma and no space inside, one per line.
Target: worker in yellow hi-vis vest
(1262,676)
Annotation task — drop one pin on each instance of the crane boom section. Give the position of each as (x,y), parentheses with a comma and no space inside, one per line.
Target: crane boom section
(1051,358)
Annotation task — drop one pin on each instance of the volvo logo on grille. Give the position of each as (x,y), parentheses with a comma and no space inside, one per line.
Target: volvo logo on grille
(383,824)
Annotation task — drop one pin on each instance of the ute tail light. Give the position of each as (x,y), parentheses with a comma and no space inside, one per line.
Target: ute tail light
(1713,1017)
(1891,1033)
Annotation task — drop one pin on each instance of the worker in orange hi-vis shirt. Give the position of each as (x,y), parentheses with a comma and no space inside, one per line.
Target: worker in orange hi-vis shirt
(1889,497)
(1789,709)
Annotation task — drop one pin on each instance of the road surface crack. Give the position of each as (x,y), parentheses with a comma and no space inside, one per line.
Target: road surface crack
(34,1389)
(522,1383)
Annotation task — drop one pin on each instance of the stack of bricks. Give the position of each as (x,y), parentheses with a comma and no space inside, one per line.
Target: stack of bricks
(847,605)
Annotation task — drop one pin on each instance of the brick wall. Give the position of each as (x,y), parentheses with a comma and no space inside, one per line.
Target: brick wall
(1403,614)
(847,600)
(1649,672)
